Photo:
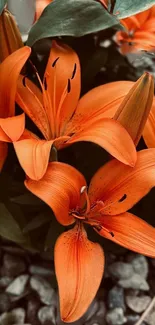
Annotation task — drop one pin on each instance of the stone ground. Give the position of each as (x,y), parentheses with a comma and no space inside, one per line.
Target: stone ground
(28,290)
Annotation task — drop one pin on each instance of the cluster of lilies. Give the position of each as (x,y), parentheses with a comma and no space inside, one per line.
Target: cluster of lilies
(113,116)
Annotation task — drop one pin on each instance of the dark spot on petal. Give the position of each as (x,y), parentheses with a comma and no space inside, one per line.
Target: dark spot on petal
(55,61)
(123,198)
(69,86)
(74,71)
(111,233)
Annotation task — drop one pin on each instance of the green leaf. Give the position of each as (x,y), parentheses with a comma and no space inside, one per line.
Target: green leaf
(37,222)
(27,199)
(9,228)
(128,8)
(2,4)
(71,18)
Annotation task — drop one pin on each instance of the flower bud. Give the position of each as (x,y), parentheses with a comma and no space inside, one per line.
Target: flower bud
(135,108)
(10,38)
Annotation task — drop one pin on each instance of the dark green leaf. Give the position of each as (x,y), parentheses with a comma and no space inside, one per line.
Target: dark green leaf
(72,18)
(37,222)
(27,199)
(128,8)
(9,228)
(2,4)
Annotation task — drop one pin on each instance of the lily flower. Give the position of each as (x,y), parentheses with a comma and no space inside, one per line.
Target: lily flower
(11,127)
(63,119)
(113,190)
(139,32)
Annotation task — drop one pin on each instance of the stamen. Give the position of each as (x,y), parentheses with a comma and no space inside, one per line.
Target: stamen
(55,61)
(74,71)
(69,86)
(99,227)
(122,198)
(84,191)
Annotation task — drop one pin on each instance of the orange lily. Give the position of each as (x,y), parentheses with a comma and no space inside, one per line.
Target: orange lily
(139,34)
(61,117)
(11,127)
(40,6)
(113,190)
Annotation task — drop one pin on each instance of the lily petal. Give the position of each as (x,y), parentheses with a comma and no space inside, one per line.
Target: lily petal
(111,136)
(135,108)
(3,154)
(9,72)
(149,130)
(60,189)
(13,126)
(131,232)
(30,99)
(33,155)
(120,186)
(102,101)
(62,78)
(79,265)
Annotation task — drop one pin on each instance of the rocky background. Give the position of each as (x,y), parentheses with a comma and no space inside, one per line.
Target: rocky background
(28,290)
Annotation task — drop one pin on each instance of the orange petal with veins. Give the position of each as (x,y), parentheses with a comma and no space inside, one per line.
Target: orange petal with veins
(111,136)
(62,77)
(30,99)
(79,265)
(9,71)
(120,186)
(130,232)
(59,188)
(13,127)
(33,155)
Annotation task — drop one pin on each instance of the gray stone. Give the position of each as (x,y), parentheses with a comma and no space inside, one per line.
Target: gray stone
(116,298)
(43,288)
(140,264)
(5,281)
(39,270)
(116,317)
(121,270)
(135,282)
(5,303)
(33,306)
(138,304)
(16,316)
(132,319)
(12,265)
(47,313)
(17,287)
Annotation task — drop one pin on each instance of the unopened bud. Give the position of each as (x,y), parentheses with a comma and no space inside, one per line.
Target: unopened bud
(10,38)
(135,108)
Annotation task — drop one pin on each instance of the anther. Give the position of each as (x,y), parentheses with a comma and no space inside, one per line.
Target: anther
(69,86)
(74,71)
(24,81)
(55,61)
(122,198)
